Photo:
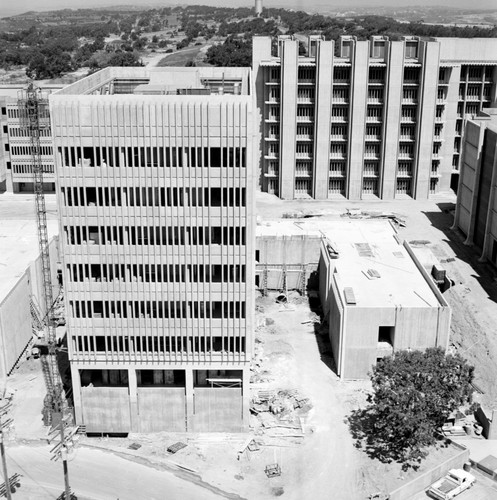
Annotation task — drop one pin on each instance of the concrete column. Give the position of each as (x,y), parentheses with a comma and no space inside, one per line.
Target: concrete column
(358,97)
(322,118)
(261,50)
(489,144)
(245,398)
(190,418)
(480,127)
(392,115)
(426,118)
(449,128)
(76,395)
(288,117)
(133,400)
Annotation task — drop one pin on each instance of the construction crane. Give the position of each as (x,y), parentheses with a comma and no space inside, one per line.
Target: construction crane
(34,119)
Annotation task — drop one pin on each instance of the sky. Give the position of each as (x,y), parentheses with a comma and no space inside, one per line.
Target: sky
(19,6)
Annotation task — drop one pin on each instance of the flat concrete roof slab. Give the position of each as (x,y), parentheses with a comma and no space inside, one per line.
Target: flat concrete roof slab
(19,236)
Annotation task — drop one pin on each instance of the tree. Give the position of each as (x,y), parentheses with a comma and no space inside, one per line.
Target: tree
(233,52)
(413,394)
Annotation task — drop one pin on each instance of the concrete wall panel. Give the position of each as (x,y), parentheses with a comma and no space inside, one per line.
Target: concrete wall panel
(217,409)
(161,409)
(15,324)
(106,409)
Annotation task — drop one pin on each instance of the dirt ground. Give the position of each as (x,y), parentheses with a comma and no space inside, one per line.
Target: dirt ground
(293,356)
(473,298)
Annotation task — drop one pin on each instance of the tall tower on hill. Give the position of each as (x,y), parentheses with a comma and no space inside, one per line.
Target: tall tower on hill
(258,8)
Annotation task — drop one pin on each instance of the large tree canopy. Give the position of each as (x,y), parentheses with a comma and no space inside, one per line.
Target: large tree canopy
(413,394)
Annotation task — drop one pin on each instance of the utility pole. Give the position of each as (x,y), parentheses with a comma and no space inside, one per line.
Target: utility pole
(4,424)
(3,411)
(61,450)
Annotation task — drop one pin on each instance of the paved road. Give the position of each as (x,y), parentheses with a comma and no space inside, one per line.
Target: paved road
(97,475)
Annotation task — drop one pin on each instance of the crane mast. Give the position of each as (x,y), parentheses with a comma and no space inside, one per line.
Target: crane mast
(34,119)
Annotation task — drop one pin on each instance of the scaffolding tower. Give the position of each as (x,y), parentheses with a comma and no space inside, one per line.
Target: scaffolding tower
(34,119)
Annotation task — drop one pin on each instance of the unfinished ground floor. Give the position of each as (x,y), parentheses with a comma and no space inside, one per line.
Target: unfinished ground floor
(121,398)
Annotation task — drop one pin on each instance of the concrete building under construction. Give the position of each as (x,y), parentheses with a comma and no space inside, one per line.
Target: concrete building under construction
(377,297)
(156,205)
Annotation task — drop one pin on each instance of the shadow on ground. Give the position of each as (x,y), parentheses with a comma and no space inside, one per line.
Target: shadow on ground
(485,273)
(321,334)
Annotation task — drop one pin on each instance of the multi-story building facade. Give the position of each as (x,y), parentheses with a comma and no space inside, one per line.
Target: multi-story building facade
(374,118)
(156,206)
(16,160)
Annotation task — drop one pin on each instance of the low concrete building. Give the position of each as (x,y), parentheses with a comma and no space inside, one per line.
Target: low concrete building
(20,284)
(377,296)
(476,204)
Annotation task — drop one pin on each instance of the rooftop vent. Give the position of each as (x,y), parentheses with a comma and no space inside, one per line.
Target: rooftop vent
(348,291)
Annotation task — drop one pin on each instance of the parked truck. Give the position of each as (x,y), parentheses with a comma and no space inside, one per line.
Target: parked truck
(455,482)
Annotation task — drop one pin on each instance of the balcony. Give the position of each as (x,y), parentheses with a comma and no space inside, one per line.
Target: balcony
(303,172)
(372,156)
(373,138)
(408,119)
(339,119)
(340,100)
(338,155)
(407,138)
(404,174)
(373,119)
(337,174)
(375,100)
(307,155)
(339,138)
(273,100)
(370,173)
(305,100)
(305,119)
(305,137)
(410,100)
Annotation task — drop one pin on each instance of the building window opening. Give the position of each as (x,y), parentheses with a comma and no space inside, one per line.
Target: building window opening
(386,334)
(104,378)
(217,378)
(160,378)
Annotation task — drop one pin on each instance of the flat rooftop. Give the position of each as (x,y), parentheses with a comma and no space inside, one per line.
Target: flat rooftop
(19,237)
(166,81)
(366,248)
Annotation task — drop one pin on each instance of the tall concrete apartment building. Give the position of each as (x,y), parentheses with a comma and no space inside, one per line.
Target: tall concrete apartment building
(16,160)
(156,206)
(375,118)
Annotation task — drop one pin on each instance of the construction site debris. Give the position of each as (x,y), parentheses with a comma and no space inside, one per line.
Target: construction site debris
(134,446)
(272,470)
(355,213)
(278,413)
(176,447)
